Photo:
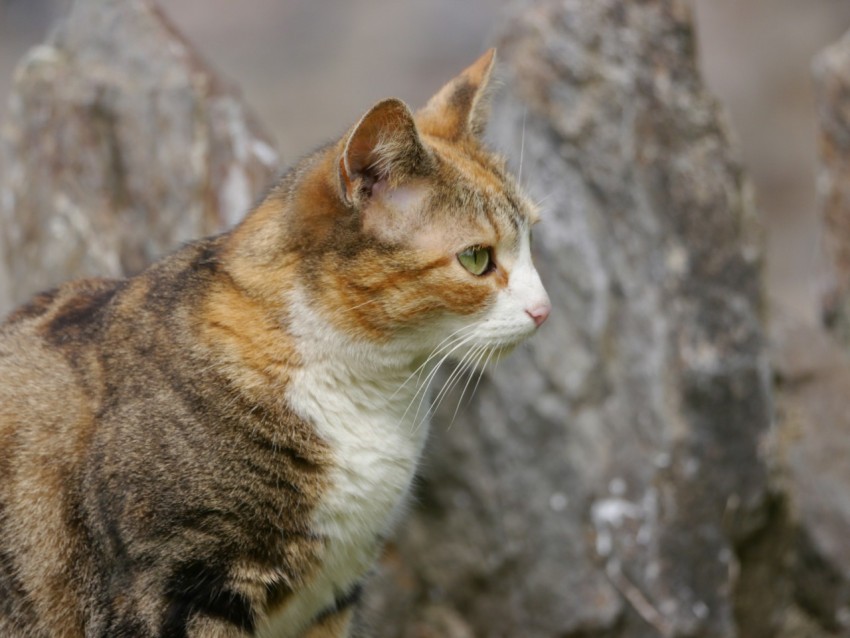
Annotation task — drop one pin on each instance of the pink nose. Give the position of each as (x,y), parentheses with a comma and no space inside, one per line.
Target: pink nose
(539,313)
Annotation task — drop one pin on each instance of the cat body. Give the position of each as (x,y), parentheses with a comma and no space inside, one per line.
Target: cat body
(218,446)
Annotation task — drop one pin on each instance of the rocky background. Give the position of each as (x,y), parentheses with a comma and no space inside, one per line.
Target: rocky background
(669,456)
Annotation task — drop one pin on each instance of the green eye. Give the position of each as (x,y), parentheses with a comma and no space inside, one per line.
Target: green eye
(475,259)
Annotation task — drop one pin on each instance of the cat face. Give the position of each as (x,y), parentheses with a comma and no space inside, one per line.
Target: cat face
(410,233)
(465,237)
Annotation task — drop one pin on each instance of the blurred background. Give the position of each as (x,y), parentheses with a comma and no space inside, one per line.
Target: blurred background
(514,471)
(310,68)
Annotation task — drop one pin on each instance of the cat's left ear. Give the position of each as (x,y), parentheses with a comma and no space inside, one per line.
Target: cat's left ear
(383,146)
(461,107)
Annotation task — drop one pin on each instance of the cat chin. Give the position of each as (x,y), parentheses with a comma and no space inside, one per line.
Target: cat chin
(506,338)
(503,351)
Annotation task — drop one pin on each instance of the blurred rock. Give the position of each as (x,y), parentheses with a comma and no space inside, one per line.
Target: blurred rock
(814,383)
(612,478)
(832,82)
(119,144)
(814,371)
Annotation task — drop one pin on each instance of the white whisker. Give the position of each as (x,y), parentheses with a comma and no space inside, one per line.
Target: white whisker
(423,388)
(456,374)
(539,202)
(360,305)
(433,376)
(480,354)
(481,373)
(521,147)
(464,365)
(434,353)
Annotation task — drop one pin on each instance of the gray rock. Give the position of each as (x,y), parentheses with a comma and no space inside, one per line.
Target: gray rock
(832,83)
(607,477)
(814,383)
(120,143)
(815,374)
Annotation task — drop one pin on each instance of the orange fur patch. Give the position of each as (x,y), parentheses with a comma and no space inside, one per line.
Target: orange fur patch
(248,338)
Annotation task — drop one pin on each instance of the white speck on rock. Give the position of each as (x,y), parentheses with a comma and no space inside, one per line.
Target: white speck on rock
(677,260)
(604,543)
(613,511)
(265,153)
(558,502)
(662,460)
(700,610)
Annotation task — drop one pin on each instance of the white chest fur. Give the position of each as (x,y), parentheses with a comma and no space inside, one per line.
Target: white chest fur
(363,412)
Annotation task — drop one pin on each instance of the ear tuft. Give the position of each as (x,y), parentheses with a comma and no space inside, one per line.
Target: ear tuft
(461,107)
(383,145)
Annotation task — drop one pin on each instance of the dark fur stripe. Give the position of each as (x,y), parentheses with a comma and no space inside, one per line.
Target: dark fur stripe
(79,315)
(197,588)
(13,598)
(36,307)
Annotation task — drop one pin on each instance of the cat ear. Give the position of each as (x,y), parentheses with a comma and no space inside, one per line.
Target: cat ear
(383,145)
(460,108)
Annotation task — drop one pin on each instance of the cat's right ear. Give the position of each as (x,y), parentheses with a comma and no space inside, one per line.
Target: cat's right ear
(383,146)
(460,108)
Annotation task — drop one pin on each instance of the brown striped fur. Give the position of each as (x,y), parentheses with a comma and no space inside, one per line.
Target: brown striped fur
(154,479)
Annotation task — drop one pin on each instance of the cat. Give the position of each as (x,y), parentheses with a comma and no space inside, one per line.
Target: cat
(218,446)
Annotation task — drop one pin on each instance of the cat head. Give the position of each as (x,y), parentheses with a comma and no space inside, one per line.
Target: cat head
(407,231)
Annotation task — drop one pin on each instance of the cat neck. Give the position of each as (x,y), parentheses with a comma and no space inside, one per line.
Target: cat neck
(367,400)
(380,367)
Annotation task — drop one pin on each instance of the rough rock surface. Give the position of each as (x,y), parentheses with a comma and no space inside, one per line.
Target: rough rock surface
(814,376)
(832,83)
(611,478)
(814,371)
(135,146)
